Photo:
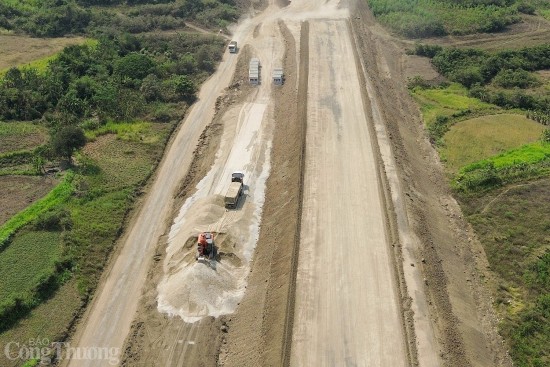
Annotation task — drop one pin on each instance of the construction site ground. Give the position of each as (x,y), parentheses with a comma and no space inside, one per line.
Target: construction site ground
(347,247)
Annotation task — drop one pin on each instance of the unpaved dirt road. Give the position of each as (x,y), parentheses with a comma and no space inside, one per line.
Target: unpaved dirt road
(110,314)
(347,310)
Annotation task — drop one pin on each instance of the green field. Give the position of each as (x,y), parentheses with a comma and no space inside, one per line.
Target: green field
(102,191)
(37,250)
(444,106)
(497,163)
(446,101)
(472,140)
(516,165)
(127,91)
(16,136)
(527,154)
(55,198)
(131,131)
(48,320)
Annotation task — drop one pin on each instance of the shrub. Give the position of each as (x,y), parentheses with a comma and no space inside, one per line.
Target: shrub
(526,8)
(53,220)
(515,79)
(134,66)
(417,82)
(438,128)
(184,87)
(414,25)
(480,179)
(468,76)
(67,140)
(427,50)
(56,18)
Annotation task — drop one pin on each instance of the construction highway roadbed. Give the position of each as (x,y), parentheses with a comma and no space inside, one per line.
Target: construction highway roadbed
(347,308)
(310,269)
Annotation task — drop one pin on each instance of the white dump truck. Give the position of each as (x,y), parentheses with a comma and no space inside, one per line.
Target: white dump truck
(232,47)
(234,191)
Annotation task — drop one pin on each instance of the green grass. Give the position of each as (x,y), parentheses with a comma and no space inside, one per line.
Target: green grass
(48,320)
(122,162)
(545,13)
(93,236)
(32,363)
(527,154)
(513,225)
(446,101)
(41,65)
(18,128)
(60,194)
(38,251)
(471,140)
(94,201)
(524,163)
(129,131)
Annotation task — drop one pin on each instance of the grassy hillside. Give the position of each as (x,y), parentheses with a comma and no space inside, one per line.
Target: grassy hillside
(512,224)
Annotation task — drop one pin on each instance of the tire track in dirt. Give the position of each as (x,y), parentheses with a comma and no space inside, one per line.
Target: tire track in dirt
(390,219)
(257,329)
(301,116)
(153,333)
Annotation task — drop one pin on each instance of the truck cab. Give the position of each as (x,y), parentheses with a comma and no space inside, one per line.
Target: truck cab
(232,47)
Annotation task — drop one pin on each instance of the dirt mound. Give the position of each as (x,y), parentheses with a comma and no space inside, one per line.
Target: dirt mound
(194,289)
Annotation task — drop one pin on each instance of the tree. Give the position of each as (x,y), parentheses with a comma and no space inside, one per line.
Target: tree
(134,66)
(184,87)
(67,140)
(151,87)
(468,76)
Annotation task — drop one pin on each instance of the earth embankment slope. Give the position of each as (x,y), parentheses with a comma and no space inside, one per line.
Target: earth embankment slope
(446,253)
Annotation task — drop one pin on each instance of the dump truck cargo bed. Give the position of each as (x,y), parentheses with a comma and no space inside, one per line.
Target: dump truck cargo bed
(233,194)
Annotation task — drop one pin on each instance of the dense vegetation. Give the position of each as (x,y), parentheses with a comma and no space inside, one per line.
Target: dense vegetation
(122,77)
(53,18)
(427,18)
(503,79)
(532,160)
